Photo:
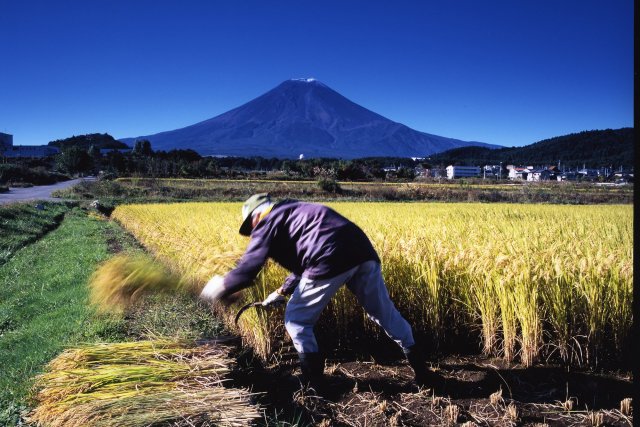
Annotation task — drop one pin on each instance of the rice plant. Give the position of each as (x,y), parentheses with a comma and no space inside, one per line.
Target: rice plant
(532,280)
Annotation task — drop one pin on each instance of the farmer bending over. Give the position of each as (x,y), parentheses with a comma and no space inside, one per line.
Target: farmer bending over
(324,251)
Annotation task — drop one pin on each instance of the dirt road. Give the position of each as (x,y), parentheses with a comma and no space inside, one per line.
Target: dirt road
(38,192)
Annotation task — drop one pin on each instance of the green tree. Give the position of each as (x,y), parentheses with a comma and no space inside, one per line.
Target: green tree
(351,171)
(94,152)
(116,162)
(142,148)
(406,173)
(74,160)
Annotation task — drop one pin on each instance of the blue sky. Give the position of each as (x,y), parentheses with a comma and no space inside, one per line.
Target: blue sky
(502,72)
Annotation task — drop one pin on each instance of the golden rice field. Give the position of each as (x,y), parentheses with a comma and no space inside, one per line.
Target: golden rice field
(531,281)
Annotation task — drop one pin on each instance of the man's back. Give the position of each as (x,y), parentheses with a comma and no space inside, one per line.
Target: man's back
(314,240)
(308,239)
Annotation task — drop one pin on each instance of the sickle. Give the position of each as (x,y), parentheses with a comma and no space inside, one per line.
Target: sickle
(254,304)
(244,308)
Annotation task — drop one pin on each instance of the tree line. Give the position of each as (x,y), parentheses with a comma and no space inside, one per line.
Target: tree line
(189,164)
(85,154)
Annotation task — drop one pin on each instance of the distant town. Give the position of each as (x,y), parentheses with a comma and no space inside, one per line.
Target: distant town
(93,157)
(529,173)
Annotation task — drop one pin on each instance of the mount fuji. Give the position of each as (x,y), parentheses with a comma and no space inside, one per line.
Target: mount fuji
(302,116)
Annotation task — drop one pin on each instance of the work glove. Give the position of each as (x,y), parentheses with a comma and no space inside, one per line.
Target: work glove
(213,290)
(273,298)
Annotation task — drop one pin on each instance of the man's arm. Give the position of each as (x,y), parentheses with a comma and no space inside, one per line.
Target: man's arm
(289,284)
(286,289)
(248,267)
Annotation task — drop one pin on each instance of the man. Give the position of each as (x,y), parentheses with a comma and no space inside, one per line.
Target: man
(324,251)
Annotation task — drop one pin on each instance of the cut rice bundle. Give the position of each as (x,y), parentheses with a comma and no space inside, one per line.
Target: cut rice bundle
(141,383)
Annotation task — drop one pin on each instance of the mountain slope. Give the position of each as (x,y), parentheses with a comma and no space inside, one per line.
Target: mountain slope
(302,116)
(595,148)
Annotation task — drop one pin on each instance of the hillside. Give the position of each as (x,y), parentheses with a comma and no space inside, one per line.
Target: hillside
(99,140)
(302,116)
(595,148)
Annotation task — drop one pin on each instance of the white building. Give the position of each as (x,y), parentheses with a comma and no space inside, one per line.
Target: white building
(539,175)
(518,173)
(489,171)
(462,171)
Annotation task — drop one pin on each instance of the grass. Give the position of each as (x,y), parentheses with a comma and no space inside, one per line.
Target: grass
(44,301)
(43,305)
(21,224)
(178,316)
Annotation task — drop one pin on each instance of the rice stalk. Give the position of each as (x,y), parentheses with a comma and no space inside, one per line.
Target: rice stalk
(122,279)
(137,384)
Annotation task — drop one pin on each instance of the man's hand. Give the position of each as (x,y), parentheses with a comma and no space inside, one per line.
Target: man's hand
(273,298)
(213,290)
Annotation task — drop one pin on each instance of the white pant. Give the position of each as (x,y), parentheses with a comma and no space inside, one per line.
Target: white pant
(365,281)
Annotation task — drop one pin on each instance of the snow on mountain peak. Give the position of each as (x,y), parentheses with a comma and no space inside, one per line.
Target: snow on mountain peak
(308,80)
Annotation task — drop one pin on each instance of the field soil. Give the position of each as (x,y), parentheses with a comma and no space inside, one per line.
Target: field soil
(359,393)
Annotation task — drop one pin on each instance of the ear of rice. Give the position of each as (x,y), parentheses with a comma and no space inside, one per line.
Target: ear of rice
(119,281)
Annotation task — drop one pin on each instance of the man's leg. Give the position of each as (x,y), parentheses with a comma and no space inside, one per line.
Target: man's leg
(303,310)
(369,288)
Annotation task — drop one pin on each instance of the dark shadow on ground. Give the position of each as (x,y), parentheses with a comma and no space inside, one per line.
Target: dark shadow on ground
(369,393)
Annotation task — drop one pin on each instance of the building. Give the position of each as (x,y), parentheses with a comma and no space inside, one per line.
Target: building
(7,149)
(567,176)
(529,173)
(623,177)
(588,173)
(30,151)
(518,173)
(6,141)
(492,171)
(539,175)
(462,172)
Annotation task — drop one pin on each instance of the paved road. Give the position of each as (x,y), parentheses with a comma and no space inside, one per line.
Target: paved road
(38,192)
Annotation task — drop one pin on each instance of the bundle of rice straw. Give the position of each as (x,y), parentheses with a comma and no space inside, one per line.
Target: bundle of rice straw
(139,384)
(123,278)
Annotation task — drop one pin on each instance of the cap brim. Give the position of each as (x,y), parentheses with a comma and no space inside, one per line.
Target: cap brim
(245,228)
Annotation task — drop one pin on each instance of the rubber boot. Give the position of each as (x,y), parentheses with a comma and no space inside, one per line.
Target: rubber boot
(423,376)
(312,367)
